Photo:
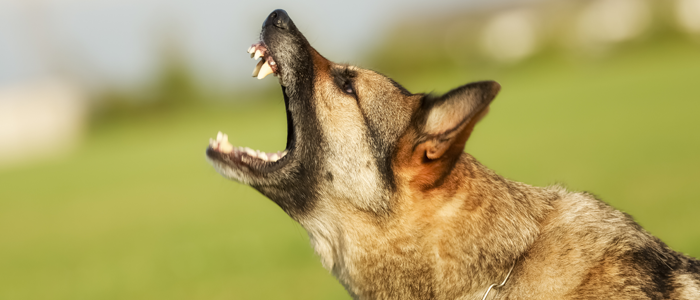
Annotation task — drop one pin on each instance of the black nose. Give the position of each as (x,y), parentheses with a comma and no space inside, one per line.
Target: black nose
(278,18)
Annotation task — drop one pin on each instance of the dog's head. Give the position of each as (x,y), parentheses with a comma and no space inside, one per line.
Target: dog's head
(354,136)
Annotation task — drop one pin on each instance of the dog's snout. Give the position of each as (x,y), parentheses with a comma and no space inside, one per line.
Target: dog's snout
(278,18)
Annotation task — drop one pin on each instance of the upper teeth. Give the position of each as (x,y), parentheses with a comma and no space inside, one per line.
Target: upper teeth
(264,70)
(256,71)
(222,144)
(264,66)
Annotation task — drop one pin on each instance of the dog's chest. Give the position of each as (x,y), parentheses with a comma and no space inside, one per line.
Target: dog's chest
(373,262)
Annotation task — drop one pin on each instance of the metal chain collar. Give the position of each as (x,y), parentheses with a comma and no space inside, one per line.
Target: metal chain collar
(496,286)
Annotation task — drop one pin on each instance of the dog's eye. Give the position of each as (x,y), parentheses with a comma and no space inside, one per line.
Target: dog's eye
(348,89)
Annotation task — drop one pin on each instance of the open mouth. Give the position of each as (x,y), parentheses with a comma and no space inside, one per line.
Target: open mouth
(254,162)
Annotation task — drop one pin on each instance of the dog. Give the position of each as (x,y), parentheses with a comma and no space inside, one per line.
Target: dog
(395,209)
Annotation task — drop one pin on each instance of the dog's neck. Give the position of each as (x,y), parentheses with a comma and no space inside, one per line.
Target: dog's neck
(475,225)
(499,217)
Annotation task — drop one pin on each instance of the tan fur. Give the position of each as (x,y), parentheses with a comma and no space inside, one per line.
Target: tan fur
(395,209)
(464,233)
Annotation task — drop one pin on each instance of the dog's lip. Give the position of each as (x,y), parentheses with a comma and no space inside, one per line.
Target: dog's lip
(244,158)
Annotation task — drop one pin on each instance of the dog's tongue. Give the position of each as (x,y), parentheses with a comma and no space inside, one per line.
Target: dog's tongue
(266,63)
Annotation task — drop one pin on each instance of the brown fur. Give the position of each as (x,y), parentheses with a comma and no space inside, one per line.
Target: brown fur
(396,210)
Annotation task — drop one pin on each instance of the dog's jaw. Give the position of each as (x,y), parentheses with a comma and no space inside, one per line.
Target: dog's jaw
(286,176)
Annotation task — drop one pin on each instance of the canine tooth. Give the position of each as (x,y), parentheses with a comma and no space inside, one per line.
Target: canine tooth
(219,136)
(274,157)
(224,141)
(251,50)
(226,148)
(211,141)
(283,153)
(262,156)
(264,71)
(258,54)
(250,152)
(257,67)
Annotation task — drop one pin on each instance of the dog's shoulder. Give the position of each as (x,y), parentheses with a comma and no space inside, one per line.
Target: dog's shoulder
(603,251)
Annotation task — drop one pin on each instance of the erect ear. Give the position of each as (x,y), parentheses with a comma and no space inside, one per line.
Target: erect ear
(443,124)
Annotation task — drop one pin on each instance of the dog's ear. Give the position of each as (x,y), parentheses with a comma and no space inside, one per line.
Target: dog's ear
(443,124)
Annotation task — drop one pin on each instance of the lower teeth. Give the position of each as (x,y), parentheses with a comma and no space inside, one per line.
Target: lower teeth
(222,145)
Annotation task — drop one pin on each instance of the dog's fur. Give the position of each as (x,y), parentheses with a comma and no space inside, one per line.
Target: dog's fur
(396,210)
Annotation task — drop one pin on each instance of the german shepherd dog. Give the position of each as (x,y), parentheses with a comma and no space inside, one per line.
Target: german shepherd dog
(395,209)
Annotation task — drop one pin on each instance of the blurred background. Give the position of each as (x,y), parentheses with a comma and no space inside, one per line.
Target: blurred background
(106,107)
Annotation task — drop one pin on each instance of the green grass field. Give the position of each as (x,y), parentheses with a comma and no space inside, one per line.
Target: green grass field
(137,213)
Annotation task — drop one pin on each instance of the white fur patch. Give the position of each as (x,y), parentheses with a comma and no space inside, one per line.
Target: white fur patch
(322,238)
(447,116)
(690,288)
